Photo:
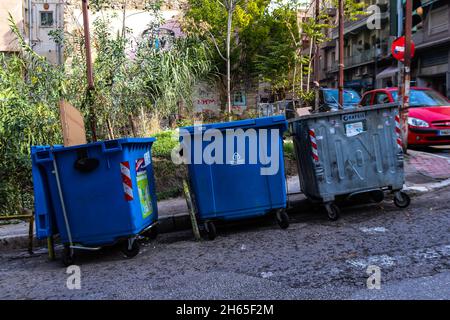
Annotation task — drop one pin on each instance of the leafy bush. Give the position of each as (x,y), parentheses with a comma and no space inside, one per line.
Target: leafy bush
(288,147)
(165,142)
(29,93)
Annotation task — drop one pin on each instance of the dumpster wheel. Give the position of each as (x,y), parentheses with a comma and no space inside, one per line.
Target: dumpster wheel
(68,256)
(210,229)
(333,211)
(282,218)
(152,233)
(401,199)
(131,248)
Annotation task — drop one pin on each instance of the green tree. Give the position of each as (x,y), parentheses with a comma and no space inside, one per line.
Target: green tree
(29,93)
(235,29)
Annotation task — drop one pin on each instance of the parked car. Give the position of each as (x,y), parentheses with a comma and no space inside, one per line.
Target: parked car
(285,107)
(328,99)
(428,115)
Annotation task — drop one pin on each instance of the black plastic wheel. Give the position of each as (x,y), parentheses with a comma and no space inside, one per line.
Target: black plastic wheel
(210,229)
(282,218)
(152,233)
(401,199)
(133,251)
(68,256)
(377,196)
(333,211)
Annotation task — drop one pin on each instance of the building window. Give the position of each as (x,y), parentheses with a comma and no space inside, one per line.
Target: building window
(239,98)
(438,20)
(46,19)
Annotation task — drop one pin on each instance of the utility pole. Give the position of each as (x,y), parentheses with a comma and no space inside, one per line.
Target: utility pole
(317,61)
(406,75)
(341,53)
(89,74)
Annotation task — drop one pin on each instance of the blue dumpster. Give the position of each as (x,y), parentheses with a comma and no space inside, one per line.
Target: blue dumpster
(237,187)
(95,194)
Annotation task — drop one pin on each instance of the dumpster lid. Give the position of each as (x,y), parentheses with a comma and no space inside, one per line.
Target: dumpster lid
(347,111)
(279,120)
(58,148)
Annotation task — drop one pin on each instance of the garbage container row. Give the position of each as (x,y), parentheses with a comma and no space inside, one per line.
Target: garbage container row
(103,193)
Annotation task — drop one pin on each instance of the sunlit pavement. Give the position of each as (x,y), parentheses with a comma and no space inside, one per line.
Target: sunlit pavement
(437,150)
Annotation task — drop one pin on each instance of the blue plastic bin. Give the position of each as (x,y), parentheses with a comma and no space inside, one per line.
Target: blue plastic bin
(94,194)
(236,189)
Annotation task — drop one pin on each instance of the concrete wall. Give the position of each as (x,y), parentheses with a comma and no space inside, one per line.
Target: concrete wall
(8,42)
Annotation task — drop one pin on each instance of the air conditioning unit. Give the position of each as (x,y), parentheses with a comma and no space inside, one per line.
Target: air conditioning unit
(365,70)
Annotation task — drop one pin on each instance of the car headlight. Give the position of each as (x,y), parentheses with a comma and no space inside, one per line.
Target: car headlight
(417,122)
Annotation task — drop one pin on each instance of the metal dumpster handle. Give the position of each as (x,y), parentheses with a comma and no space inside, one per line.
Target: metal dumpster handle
(111,146)
(43,156)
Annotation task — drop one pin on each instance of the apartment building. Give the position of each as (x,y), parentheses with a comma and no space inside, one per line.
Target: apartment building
(366,50)
(40,22)
(8,42)
(367,55)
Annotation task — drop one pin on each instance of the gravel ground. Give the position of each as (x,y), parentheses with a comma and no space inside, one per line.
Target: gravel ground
(313,259)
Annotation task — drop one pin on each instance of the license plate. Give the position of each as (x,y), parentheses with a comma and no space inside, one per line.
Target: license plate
(444,132)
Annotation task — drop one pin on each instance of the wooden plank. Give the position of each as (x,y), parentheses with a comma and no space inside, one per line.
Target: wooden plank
(72,123)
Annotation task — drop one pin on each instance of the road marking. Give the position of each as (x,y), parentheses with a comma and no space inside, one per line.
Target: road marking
(381,260)
(266,274)
(385,260)
(373,230)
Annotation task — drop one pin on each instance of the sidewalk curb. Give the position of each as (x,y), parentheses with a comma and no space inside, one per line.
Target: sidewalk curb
(177,222)
(181,221)
(426,187)
(19,242)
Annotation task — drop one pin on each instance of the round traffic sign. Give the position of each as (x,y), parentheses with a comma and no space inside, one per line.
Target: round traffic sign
(398,49)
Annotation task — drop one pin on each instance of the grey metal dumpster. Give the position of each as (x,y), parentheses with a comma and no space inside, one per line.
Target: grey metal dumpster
(344,153)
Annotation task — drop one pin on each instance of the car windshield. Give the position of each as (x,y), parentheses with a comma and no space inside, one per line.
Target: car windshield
(350,96)
(421,98)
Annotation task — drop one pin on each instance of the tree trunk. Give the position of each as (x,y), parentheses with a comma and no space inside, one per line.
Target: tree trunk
(309,64)
(293,83)
(230,19)
(110,129)
(132,125)
(123,18)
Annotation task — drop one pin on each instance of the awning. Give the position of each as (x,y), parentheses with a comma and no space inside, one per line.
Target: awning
(387,73)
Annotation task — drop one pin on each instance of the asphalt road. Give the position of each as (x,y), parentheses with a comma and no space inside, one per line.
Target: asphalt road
(313,259)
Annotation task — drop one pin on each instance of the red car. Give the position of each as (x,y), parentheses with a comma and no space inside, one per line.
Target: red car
(428,115)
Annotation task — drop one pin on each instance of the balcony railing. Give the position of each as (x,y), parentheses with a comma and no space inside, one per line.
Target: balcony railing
(359,58)
(353,26)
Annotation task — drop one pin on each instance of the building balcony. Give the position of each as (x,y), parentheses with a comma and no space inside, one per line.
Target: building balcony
(358,59)
(358,25)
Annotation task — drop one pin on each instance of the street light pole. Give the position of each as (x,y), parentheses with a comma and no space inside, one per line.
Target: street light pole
(406,74)
(89,73)
(341,53)
(317,60)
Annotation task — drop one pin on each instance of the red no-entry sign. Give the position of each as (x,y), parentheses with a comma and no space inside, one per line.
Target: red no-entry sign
(398,49)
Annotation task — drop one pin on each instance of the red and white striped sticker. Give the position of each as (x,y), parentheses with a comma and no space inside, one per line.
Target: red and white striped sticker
(139,163)
(315,152)
(126,180)
(398,132)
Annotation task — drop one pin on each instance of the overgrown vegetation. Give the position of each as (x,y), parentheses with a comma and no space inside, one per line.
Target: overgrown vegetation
(136,92)
(141,89)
